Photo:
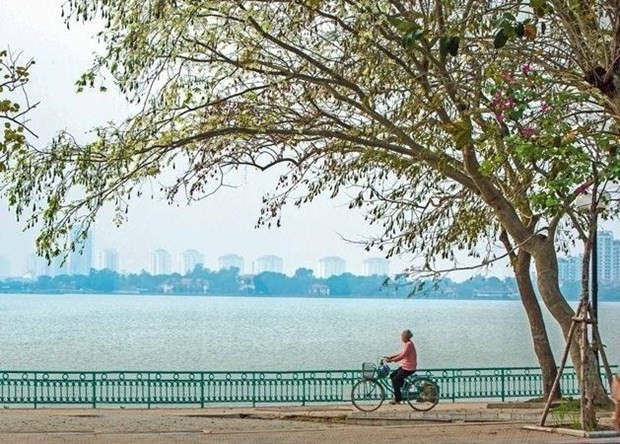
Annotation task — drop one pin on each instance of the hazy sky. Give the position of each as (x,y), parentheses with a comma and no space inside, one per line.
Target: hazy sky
(221,224)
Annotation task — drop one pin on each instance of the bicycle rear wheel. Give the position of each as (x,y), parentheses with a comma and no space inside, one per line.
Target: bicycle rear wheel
(367,395)
(422,394)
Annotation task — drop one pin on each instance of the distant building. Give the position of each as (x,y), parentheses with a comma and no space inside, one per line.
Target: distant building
(569,269)
(376,266)
(616,260)
(5,267)
(161,262)
(81,260)
(608,261)
(108,260)
(231,261)
(246,284)
(331,266)
(270,263)
(605,256)
(37,266)
(319,290)
(189,259)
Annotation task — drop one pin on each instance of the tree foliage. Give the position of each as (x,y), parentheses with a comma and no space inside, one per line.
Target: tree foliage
(379,95)
(14,105)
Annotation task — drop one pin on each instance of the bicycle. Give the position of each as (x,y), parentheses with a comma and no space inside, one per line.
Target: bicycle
(368,394)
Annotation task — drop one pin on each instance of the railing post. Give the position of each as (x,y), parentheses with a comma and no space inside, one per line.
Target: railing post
(253,389)
(35,390)
(94,391)
(503,385)
(453,386)
(202,390)
(148,390)
(303,389)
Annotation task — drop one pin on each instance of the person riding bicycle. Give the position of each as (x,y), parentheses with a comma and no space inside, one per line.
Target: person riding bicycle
(408,358)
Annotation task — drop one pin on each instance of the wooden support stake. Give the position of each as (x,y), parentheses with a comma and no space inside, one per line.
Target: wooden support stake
(556,382)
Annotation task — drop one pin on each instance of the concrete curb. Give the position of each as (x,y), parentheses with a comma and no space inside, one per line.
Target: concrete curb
(443,416)
(574,432)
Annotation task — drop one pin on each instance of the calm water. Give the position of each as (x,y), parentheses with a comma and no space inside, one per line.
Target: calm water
(229,333)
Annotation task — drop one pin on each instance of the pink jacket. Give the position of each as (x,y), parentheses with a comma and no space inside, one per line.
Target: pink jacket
(408,357)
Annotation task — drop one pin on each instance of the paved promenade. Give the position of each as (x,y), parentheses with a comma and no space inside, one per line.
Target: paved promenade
(447,423)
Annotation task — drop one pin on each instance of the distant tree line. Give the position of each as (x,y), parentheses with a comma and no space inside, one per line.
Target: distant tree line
(302,283)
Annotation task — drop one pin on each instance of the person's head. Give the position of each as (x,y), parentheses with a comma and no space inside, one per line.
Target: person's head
(406,335)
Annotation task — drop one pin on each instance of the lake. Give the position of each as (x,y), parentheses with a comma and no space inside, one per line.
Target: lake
(127,332)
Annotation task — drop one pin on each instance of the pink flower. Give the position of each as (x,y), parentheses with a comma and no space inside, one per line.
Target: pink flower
(527,68)
(528,132)
(544,107)
(509,102)
(508,78)
(497,100)
(499,116)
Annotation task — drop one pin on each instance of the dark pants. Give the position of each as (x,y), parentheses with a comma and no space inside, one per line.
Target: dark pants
(398,379)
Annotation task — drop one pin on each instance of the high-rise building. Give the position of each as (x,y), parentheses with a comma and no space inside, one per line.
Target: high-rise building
(376,266)
(331,266)
(231,261)
(189,259)
(616,261)
(5,267)
(605,256)
(161,262)
(267,263)
(569,269)
(81,260)
(108,259)
(38,266)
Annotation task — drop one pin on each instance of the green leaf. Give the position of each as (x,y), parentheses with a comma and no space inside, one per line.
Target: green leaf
(402,25)
(500,39)
(453,47)
(443,45)
(520,29)
(540,7)
(449,45)
(411,38)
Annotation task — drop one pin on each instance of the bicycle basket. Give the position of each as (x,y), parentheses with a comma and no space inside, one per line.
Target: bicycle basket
(368,370)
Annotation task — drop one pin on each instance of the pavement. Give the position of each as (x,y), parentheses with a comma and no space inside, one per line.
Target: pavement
(447,423)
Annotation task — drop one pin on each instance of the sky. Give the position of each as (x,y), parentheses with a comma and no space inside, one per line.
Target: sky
(221,224)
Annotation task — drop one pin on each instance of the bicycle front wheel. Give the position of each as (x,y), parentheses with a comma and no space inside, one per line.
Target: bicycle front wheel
(367,395)
(422,394)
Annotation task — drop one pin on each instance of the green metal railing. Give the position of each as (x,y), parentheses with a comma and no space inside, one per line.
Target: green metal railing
(149,388)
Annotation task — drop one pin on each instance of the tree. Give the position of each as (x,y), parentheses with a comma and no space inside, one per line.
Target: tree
(448,96)
(303,280)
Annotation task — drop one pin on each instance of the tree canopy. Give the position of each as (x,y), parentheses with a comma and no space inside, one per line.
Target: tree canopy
(413,101)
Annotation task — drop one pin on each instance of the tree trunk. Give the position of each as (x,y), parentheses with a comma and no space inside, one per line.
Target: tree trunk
(546,264)
(544,354)
(588,412)
(542,250)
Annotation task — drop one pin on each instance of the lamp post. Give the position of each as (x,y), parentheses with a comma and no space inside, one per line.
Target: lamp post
(594,271)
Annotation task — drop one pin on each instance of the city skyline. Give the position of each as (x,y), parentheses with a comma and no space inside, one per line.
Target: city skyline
(160,261)
(86,257)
